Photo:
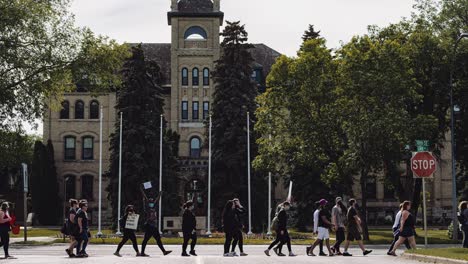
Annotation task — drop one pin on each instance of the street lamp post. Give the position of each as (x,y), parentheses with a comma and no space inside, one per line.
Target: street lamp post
(452,140)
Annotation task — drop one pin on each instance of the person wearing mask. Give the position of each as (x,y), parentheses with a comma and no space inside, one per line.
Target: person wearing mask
(189,229)
(238,238)
(83,229)
(128,234)
(463,219)
(72,227)
(324,225)
(406,228)
(338,220)
(316,221)
(5,228)
(228,227)
(354,230)
(282,235)
(396,231)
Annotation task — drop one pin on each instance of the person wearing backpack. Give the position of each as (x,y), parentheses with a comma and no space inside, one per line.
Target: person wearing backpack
(128,234)
(280,223)
(71,227)
(463,219)
(189,229)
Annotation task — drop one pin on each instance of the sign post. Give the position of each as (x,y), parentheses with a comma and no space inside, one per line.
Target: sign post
(25,200)
(423,165)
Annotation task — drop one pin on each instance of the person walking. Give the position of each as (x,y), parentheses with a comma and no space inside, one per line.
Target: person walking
(238,238)
(151,229)
(228,227)
(338,220)
(83,229)
(396,231)
(354,230)
(463,219)
(189,229)
(72,227)
(5,228)
(316,221)
(282,235)
(324,225)
(128,234)
(406,228)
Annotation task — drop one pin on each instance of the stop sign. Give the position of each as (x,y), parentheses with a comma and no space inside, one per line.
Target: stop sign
(423,164)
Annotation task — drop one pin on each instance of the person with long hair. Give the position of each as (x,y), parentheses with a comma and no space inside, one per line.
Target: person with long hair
(228,227)
(354,229)
(324,226)
(338,220)
(5,228)
(406,228)
(72,227)
(189,229)
(396,231)
(128,234)
(463,219)
(238,238)
(282,235)
(83,229)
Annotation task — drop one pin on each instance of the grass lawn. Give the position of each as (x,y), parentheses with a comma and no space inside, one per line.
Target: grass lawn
(452,253)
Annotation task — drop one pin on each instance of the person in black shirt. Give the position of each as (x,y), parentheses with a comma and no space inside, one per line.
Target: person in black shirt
(324,224)
(228,226)
(282,235)
(82,237)
(189,229)
(72,227)
(127,233)
(406,228)
(354,229)
(151,229)
(238,238)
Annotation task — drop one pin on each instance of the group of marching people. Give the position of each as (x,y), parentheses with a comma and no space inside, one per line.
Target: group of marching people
(77,228)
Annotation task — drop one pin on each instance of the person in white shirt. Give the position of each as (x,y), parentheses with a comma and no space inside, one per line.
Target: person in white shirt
(396,231)
(316,221)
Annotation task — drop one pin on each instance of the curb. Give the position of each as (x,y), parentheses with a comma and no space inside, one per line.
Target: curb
(432,259)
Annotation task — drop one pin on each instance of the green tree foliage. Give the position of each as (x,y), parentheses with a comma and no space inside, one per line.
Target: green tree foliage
(44,185)
(234,96)
(141,102)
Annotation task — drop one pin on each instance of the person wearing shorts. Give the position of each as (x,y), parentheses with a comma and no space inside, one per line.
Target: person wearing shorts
(324,224)
(354,230)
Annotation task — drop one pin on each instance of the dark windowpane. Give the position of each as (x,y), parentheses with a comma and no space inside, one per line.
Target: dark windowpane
(206,77)
(79,110)
(195,111)
(371,187)
(88,148)
(389,191)
(195,148)
(65,111)
(195,77)
(184,110)
(87,187)
(70,184)
(206,110)
(94,110)
(184,77)
(69,148)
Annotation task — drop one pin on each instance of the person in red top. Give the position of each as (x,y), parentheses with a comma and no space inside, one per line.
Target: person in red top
(5,228)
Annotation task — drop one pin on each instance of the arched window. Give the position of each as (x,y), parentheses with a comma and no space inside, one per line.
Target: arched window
(79,109)
(65,111)
(70,148)
(195,33)
(70,187)
(88,148)
(195,145)
(87,187)
(184,77)
(206,77)
(195,78)
(94,110)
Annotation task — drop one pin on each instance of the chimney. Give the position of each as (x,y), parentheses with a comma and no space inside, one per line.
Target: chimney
(174,6)
(216,5)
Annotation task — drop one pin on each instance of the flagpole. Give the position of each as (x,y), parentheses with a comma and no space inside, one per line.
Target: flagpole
(248,173)
(160,171)
(99,233)
(208,228)
(269,201)
(120,176)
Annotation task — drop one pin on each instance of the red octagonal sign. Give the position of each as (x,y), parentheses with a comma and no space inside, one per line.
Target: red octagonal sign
(423,164)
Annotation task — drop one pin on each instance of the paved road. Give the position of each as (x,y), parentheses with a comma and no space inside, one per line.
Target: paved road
(102,254)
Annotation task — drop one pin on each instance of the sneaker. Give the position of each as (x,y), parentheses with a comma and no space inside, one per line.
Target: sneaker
(68,252)
(322,254)
(138,254)
(275,250)
(143,255)
(366,252)
(234,254)
(117,254)
(192,252)
(311,254)
(242,254)
(167,252)
(346,254)
(267,252)
(331,255)
(184,254)
(308,250)
(227,255)
(392,254)
(84,254)
(281,254)
(333,250)
(292,254)
(72,255)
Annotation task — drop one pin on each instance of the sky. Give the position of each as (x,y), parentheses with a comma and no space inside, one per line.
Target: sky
(276,23)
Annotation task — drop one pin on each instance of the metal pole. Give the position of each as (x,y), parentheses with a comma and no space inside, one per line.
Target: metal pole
(269,200)
(120,177)
(248,173)
(208,228)
(25,200)
(425,211)
(99,233)
(160,170)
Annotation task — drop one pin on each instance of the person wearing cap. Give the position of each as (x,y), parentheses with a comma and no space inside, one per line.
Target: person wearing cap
(354,229)
(324,224)
(316,220)
(338,220)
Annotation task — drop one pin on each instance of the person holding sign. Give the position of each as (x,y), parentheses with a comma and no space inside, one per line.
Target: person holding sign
(151,227)
(189,225)
(129,224)
(5,228)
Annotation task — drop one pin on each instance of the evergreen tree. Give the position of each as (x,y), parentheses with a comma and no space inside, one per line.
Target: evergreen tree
(310,33)
(141,102)
(234,96)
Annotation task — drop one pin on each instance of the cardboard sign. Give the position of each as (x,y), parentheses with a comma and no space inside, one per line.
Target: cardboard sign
(147,185)
(132,221)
